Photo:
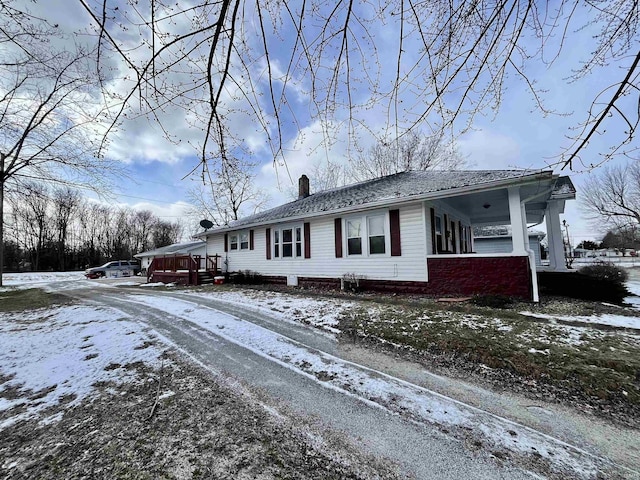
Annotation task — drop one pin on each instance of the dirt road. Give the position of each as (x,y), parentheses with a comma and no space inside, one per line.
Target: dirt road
(384,407)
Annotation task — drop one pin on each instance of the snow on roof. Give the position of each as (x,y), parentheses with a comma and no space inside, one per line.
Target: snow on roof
(404,185)
(176,248)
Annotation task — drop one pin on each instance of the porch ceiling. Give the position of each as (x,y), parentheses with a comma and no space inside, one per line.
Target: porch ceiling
(492,207)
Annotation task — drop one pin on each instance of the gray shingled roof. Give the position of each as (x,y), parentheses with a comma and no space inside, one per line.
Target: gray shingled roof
(399,186)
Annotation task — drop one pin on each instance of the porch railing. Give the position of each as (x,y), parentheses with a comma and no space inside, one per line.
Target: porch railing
(188,264)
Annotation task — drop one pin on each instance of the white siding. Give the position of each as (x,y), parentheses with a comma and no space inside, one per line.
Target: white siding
(410,266)
(490,245)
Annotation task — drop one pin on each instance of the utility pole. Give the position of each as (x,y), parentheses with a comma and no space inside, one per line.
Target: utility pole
(568,249)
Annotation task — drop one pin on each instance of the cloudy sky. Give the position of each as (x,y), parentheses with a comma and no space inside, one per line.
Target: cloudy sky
(518,136)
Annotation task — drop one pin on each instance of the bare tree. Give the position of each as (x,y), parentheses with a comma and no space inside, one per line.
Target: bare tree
(438,63)
(410,152)
(49,114)
(65,203)
(165,233)
(228,192)
(613,196)
(31,211)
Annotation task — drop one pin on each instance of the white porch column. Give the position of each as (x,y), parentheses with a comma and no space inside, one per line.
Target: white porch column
(518,222)
(554,237)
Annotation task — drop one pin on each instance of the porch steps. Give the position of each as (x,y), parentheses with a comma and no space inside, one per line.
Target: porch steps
(205,278)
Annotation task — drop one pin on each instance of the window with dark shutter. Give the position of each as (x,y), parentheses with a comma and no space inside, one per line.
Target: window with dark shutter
(338,236)
(394,227)
(250,239)
(226,242)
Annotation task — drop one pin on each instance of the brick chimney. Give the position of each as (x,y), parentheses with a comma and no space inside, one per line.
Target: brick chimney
(303,187)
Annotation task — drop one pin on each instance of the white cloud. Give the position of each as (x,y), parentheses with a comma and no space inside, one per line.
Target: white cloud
(487,149)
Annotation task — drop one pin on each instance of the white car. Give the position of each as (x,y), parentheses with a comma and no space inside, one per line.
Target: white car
(117,268)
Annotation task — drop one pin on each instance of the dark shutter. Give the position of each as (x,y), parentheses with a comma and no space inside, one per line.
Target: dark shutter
(268,242)
(433,232)
(338,234)
(394,224)
(250,239)
(307,240)
(226,242)
(454,242)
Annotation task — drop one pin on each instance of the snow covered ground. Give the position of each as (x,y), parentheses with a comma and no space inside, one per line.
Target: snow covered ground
(34,279)
(54,356)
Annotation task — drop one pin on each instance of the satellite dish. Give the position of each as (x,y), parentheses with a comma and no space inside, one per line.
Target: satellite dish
(206,224)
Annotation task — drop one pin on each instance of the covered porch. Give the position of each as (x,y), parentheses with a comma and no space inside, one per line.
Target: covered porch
(452,260)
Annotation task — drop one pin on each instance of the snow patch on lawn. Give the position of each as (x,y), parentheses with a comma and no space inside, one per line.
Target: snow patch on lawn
(605,319)
(320,313)
(54,356)
(20,281)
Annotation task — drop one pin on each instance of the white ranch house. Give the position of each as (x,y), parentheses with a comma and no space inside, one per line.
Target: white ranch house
(409,232)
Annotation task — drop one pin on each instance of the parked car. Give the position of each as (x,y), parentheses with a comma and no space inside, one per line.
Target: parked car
(115,268)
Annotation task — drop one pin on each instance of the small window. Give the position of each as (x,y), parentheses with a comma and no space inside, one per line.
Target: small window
(244,241)
(298,242)
(287,243)
(233,242)
(438,230)
(276,243)
(354,237)
(376,234)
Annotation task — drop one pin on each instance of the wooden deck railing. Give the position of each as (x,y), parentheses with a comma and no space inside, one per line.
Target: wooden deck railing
(187,264)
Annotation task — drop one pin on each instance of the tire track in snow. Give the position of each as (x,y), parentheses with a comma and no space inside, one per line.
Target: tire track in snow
(384,391)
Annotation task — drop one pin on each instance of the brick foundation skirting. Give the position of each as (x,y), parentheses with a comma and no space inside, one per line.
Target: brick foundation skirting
(448,277)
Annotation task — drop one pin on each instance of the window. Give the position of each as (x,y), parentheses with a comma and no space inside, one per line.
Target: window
(367,235)
(438,230)
(354,237)
(239,241)
(375,226)
(288,242)
(298,242)
(244,241)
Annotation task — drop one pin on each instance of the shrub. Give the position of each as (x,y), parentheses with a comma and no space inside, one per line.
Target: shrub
(246,277)
(351,282)
(606,272)
(492,301)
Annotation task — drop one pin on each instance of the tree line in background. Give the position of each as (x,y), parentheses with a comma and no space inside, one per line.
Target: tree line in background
(611,198)
(58,229)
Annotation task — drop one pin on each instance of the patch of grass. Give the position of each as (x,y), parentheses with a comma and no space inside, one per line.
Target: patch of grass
(597,365)
(30,299)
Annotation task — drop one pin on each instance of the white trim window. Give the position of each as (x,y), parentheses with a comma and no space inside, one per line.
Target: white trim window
(287,242)
(239,241)
(376,232)
(354,236)
(244,241)
(438,232)
(367,235)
